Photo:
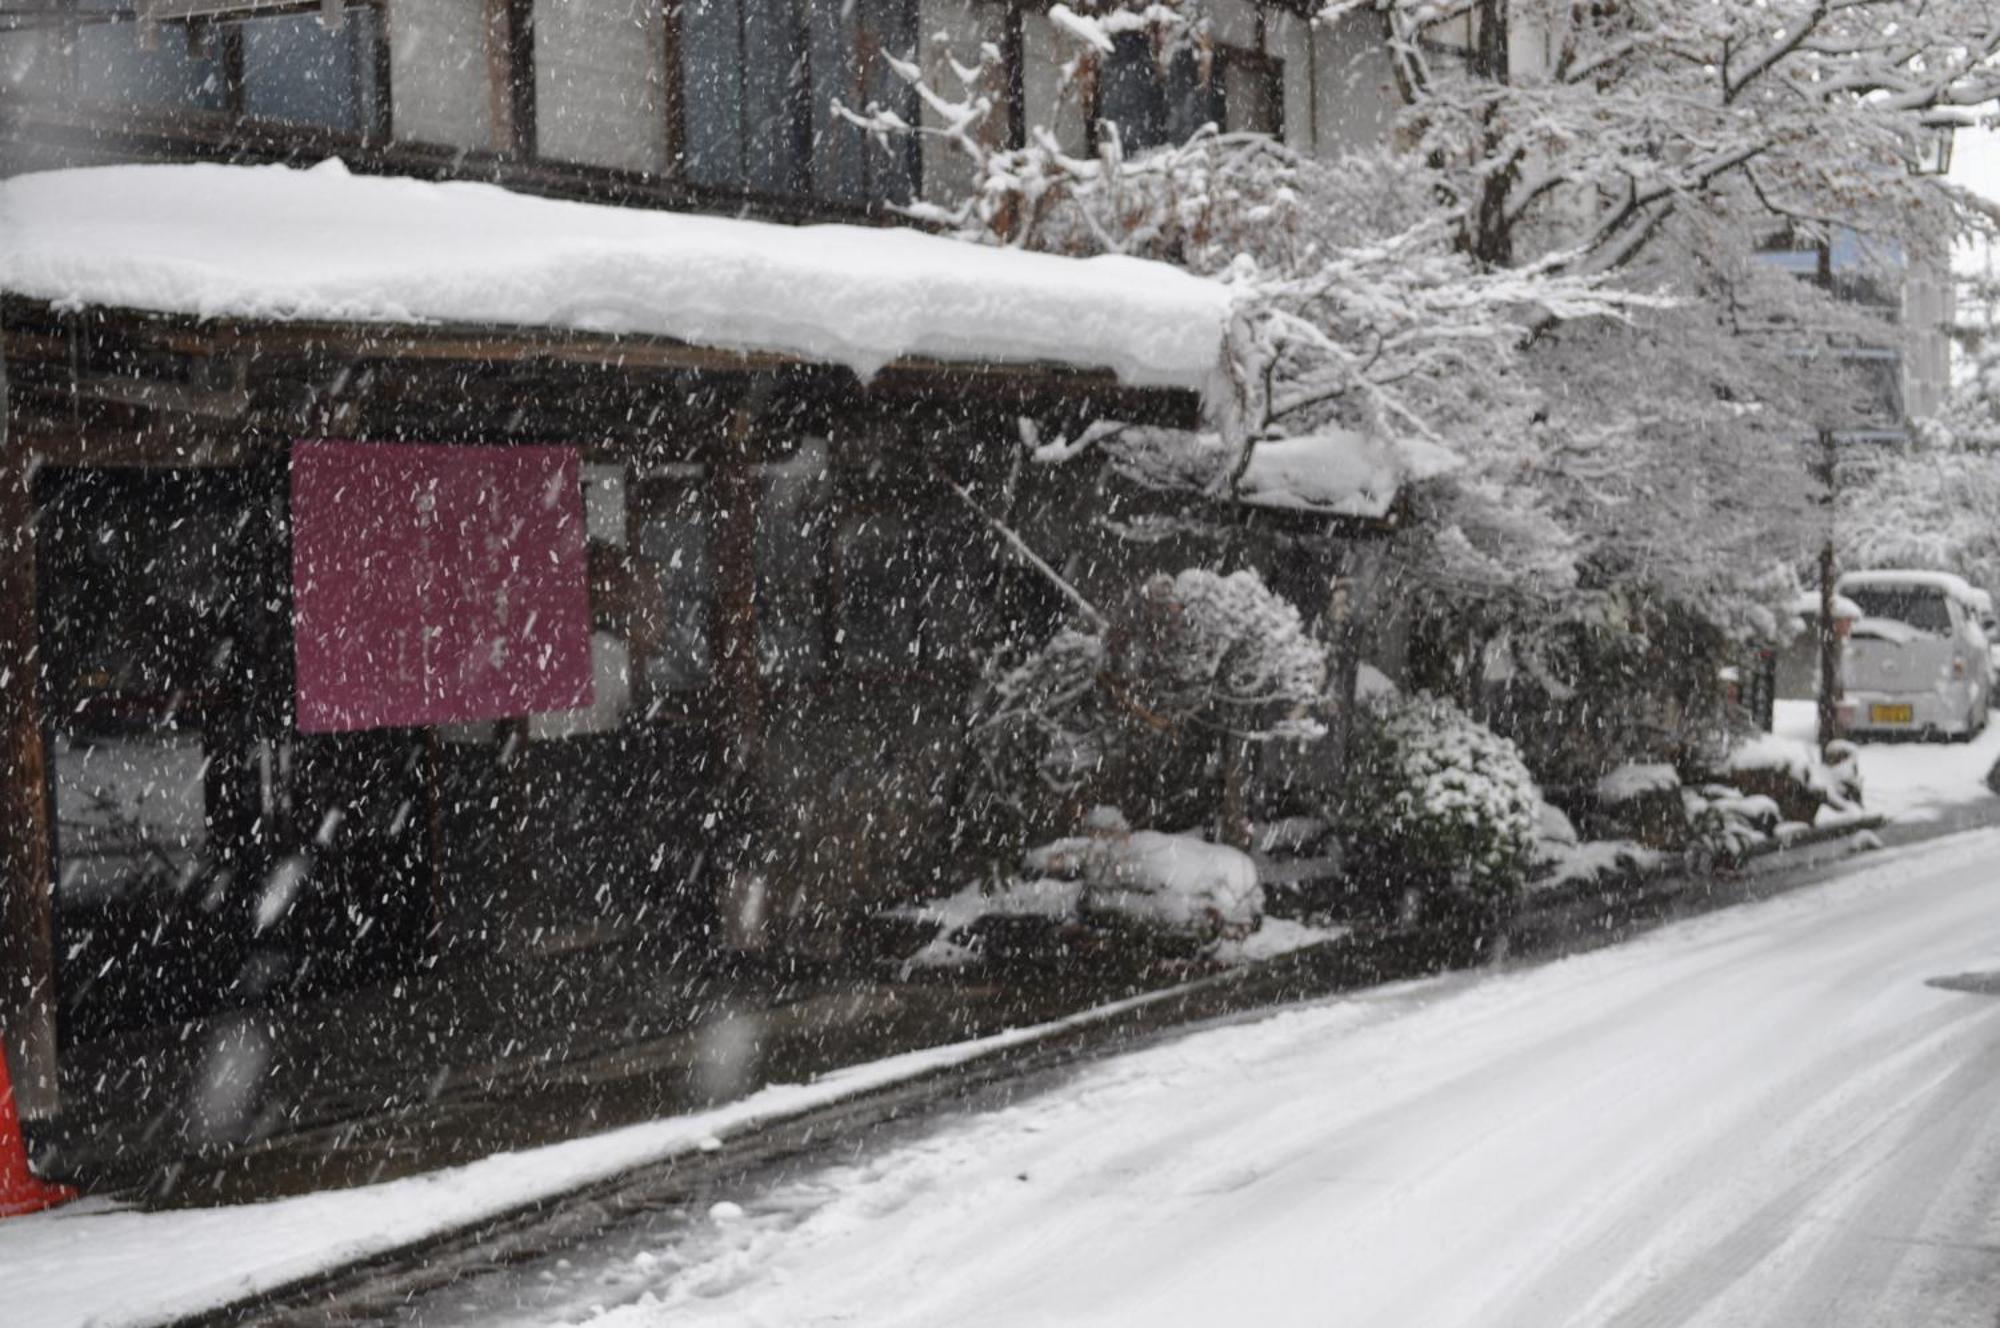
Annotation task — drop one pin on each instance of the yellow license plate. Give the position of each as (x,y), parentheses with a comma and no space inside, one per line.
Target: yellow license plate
(1881,714)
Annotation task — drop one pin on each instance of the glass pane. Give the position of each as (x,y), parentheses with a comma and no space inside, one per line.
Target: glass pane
(1129,95)
(777,150)
(297,70)
(31,63)
(712,92)
(890,27)
(960,585)
(840,168)
(882,593)
(1920,607)
(131,816)
(675,543)
(182,71)
(1252,97)
(791,562)
(1194,96)
(597,82)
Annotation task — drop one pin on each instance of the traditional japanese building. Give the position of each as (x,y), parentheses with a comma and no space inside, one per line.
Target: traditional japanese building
(448,504)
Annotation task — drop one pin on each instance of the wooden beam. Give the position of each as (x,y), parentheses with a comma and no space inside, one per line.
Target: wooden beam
(27,338)
(62,443)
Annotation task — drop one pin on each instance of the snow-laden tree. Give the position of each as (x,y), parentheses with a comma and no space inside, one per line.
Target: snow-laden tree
(1558,274)
(1358,305)
(1932,503)
(1154,710)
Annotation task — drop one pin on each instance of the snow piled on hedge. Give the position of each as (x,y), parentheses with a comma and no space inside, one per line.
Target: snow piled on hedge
(1460,791)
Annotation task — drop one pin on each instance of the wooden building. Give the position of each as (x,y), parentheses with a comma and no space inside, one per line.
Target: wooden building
(784,592)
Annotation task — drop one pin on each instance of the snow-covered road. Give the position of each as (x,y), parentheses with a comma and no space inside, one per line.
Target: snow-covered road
(1764,1116)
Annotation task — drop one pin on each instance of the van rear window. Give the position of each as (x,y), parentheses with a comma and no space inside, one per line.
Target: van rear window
(1922,607)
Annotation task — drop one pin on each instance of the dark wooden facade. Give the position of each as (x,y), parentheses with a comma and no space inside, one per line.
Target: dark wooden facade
(759,792)
(761,804)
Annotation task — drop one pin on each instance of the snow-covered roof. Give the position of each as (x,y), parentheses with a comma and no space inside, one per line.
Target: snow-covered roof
(320,244)
(1338,472)
(1944,582)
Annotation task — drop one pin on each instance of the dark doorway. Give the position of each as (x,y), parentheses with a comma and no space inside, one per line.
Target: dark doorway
(207,857)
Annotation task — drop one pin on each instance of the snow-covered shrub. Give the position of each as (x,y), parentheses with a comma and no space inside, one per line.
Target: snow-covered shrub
(1221,649)
(1625,678)
(1725,824)
(1605,865)
(1441,817)
(1152,713)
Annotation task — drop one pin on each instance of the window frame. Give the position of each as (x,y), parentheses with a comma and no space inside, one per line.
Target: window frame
(233,123)
(804,195)
(800,109)
(1270,69)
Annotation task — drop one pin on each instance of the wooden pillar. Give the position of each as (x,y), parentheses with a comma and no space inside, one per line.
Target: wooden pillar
(1352,599)
(27,905)
(744,903)
(736,500)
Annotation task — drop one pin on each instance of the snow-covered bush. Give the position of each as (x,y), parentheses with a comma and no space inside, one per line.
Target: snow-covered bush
(1153,712)
(1725,824)
(1440,822)
(1202,648)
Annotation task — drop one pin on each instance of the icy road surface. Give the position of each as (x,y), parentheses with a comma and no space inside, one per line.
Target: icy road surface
(1764,1116)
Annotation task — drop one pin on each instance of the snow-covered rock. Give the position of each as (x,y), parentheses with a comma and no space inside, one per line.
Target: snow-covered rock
(1174,884)
(1792,773)
(1338,472)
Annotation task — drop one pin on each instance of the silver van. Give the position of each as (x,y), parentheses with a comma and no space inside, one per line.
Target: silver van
(1917,660)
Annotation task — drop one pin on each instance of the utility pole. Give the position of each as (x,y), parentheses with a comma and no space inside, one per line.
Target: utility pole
(1829,640)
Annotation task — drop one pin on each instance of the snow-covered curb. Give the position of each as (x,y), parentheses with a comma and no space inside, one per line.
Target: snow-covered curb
(101,1265)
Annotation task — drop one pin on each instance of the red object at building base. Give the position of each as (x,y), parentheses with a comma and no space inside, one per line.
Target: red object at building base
(21,1191)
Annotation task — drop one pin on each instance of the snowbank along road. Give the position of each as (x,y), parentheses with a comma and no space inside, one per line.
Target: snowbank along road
(1767,1116)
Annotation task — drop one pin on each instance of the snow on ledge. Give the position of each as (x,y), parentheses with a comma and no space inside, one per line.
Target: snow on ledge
(1338,472)
(278,243)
